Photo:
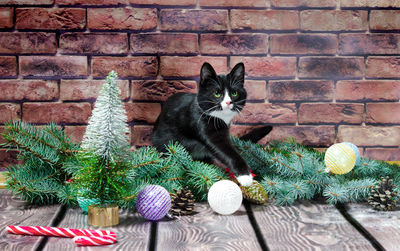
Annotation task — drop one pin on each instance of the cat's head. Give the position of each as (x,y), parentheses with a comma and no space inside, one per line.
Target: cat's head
(222,96)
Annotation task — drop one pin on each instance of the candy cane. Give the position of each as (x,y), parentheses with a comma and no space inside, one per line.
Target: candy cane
(87,237)
(93,240)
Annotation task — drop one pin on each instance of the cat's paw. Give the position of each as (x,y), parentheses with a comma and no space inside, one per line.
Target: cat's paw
(245,180)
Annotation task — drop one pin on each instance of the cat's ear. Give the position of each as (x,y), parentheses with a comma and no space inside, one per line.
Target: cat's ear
(237,73)
(207,72)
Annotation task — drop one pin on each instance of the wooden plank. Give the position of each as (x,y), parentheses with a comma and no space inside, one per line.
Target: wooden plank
(16,212)
(207,230)
(383,226)
(307,226)
(133,232)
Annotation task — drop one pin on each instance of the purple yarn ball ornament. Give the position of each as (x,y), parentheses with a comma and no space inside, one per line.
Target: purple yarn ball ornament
(153,202)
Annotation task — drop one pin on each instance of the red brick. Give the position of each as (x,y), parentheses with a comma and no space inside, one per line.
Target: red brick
(334,20)
(75,90)
(256,90)
(175,43)
(8,158)
(331,67)
(28,42)
(93,43)
(193,20)
(267,113)
(56,112)
(143,66)
(173,66)
(303,3)
(141,135)
(234,44)
(368,90)
(122,18)
(31,90)
(9,112)
(233,3)
(27,2)
(2,140)
(50,19)
(383,113)
(370,3)
(8,66)
(384,20)
(264,19)
(387,154)
(146,112)
(322,113)
(90,2)
(50,66)
(6,17)
(383,67)
(370,135)
(164,2)
(304,90)
(369,43)
(307,135)
(303,44)
(160,90)
(267,67)
(75,132)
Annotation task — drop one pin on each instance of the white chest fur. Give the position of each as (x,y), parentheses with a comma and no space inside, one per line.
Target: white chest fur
(225,115)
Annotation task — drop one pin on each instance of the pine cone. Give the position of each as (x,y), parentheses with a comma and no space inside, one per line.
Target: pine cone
(382,196)
(182,202)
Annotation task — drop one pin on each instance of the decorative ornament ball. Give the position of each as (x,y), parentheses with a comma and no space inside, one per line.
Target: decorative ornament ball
(153,202)
(356,151)
(340,159)
(225,197)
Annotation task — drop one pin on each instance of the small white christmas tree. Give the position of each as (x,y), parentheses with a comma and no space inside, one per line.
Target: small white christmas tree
(107,132)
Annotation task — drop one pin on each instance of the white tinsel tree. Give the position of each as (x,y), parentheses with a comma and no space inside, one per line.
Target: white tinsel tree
(107,132)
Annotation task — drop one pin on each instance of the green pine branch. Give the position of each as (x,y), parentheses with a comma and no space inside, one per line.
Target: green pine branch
(41,178)
(286,170)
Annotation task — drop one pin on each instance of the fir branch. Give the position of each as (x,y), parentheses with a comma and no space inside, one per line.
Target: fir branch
(275,159)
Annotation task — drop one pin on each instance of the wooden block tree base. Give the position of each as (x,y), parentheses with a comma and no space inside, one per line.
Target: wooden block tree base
(103,216)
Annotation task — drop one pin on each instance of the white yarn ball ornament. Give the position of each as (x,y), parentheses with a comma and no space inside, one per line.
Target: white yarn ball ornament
(225,197)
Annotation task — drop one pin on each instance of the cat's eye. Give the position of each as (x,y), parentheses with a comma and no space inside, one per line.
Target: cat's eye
(217,94)
(234,93)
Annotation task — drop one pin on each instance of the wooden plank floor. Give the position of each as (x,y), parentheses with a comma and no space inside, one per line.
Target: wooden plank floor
(15,212)
(383,226)
(303,226)
(307,226)
(207,230)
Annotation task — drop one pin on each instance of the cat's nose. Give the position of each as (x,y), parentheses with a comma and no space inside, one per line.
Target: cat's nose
(228,103)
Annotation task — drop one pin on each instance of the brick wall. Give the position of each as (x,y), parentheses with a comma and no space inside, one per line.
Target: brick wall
(320,71)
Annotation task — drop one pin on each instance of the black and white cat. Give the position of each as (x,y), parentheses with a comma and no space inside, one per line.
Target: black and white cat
(200,122)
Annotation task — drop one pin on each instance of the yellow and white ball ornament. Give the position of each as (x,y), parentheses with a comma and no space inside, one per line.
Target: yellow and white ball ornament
(225,197)
(340,159)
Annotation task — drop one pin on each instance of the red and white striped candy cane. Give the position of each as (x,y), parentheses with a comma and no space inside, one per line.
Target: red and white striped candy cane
(81,236)
(94,240)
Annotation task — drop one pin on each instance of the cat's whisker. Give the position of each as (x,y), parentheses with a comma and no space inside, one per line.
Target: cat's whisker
(240,100)
(206,113)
